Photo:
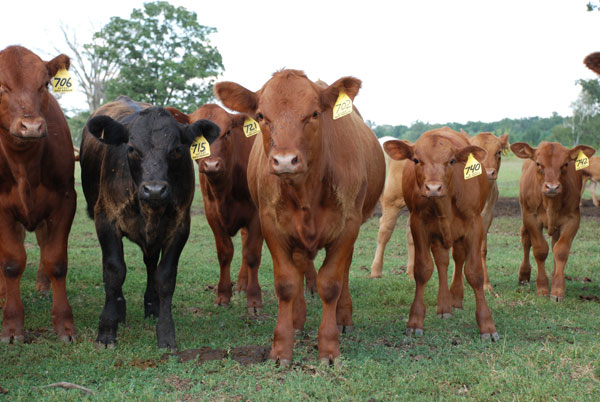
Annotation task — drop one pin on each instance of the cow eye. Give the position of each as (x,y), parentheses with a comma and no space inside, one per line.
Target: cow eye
(566,164)
(175,153)
(537,164)
(131,152)
(259,117)
(315,114)
(415,160)
(452,161)
(227,133)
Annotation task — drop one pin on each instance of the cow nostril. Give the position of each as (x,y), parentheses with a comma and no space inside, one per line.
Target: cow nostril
(275,162)
(295,160)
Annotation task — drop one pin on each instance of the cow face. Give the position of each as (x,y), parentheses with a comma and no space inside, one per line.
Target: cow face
(553,162)
(157,149)
(24,83)
(290,110)
(435,160)
(494,147)
(225,148)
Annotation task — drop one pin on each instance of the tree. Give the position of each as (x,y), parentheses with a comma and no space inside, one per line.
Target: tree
(164,56)
(93,71)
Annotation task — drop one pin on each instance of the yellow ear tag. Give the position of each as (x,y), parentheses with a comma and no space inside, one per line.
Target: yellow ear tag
(505,151)
(343,106)
(472,168)
(199,148)
(62,82)
(582,161)
(251,127)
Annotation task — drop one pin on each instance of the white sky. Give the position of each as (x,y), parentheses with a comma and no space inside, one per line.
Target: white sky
(435,61)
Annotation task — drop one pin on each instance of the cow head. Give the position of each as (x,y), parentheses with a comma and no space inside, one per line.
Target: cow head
(435,160)
(553,162)
(290,110)
(494,147)
(157,148)
(227,146)
(24,85)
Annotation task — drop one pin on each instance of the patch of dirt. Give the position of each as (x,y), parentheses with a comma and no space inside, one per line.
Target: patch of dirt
(32,335)
(241,354)
(589,298)
(180,384)
(509,206)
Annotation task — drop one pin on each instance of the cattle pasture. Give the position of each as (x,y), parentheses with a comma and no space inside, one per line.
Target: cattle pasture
(547,350)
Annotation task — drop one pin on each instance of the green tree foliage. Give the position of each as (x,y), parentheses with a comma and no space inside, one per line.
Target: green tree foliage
(76,124)
(165,56)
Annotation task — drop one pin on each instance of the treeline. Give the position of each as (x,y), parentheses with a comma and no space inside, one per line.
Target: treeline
(532,130)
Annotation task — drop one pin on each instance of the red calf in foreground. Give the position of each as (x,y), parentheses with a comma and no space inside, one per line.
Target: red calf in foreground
(315,180)
(549,194)
(445,212)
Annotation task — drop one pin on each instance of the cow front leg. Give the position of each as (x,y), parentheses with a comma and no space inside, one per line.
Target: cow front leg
(344,305)
(225,255)
(444,300)
(422,271)
(12,263)
(560,251)
(113,275)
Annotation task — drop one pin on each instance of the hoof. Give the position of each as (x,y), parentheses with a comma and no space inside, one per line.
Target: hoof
(283,363)
(493,337)
(66,338)
(523,282)
(488,288)
(445,316)
(13,339)
(102,345)
(345,329)
(331,361)
(417,331)
(254,311)
(556,298)
(222,303)
(375,276)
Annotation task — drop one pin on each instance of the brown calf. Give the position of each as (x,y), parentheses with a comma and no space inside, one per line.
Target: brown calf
(549,194)
(36,186)
(591,173)
(315,180)
(445,212)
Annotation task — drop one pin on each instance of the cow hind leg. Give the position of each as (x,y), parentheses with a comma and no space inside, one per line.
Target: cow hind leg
(457,286)
(387,223)
(251,255)
(42,282)
(151,300)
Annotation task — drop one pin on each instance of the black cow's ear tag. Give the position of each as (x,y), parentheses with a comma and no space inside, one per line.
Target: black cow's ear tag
(199,148)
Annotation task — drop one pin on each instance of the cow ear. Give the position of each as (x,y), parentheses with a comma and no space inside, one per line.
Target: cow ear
(478,153)
(504,141)
(239,120)
(399,150)
(523,150)
(114,132)
(177,115)
(59,62)
(203,127)
(349,85)
(587,151)
(236,97)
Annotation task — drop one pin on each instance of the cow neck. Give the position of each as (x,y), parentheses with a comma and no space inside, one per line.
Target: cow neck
(25,168)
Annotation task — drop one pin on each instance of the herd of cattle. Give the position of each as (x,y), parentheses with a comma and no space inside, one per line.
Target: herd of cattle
(306,181)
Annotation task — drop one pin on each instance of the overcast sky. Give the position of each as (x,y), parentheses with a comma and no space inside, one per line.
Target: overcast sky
(435,61)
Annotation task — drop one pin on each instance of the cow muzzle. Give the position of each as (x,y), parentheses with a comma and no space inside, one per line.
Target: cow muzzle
(209,166)
(29,128)
(286,164)
(154,193)
(551,189)
(434,189)
(492,174)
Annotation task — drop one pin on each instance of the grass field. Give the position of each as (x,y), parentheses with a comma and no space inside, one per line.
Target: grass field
(547,350)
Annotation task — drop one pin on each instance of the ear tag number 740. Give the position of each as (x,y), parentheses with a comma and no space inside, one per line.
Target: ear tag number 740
(472,168)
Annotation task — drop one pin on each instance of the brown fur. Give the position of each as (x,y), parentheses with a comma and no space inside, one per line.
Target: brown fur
(445,212)
(592,61)
(591,173)
(549,194)
(36,186)
(331,188)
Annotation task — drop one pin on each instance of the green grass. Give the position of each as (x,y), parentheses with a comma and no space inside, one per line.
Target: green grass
(547,350)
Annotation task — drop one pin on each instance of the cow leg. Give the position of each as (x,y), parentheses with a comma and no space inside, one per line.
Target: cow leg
(423,272)
(525,269)
(593,191)
(540,253)
(251,256)
(151,301)
(560,251)
(474,275)
(302,263)
(12,263)
(242,276)
(310,275)
(444,300)
(2,290)
(410,246)
(387,222)
(42,282)
(52,237)
(225,255)
(457,286)
(113,275)
(344,304)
